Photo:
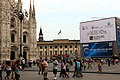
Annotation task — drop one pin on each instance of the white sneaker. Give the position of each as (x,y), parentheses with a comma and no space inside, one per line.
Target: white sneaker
(55,78)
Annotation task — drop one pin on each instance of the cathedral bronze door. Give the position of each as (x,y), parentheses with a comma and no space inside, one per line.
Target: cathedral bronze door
(25,55)
(12,56)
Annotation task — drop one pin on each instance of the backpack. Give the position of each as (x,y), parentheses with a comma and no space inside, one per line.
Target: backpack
(56,63)
(78,64)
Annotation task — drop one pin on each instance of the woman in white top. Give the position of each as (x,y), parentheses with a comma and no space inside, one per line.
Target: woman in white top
(8,69)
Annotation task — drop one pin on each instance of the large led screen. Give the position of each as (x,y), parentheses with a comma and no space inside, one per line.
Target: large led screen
(98,49)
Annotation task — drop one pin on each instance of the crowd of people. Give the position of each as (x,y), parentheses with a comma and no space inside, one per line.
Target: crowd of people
(65,66)
(12,68)
(79,66)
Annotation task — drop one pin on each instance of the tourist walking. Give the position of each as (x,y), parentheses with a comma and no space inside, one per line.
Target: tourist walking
(3,65)
(99,66)
(63,69)
(67,68)
(30,63)
(45,65)
(75,68)
(89,64)
(79,69)
(17,70)
(40,66)
(1,68)
(55,67)
(84,65)
(13,70)
(34,62)
(23,64)
(8,70)
(116,60)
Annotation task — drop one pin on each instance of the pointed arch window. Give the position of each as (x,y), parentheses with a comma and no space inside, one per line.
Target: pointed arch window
(24,38)
(13,22)
(12,38)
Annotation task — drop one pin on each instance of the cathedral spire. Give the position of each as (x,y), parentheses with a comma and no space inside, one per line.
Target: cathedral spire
(30,11)
(33,14)
(19,1)
(40,31)
(19,5)
(40,35)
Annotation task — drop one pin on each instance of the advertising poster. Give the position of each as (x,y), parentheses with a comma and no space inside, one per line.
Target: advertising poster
(98,49)
(118,38)
(98,31)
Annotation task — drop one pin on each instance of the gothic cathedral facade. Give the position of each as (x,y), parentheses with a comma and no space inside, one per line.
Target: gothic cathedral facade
(10,31)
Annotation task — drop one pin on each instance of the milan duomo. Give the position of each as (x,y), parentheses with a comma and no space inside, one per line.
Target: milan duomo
(10,31)
(31,48)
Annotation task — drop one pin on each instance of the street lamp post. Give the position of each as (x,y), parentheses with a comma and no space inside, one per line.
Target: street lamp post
(21,16)
(76,53)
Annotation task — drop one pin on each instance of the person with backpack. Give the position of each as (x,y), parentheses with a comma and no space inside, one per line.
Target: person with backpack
(55,67)
(75,70)
(79,68)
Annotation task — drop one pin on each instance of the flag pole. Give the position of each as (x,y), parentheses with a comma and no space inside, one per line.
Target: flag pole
(60,36)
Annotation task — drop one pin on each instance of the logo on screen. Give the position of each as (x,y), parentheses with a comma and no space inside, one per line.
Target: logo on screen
(86,50)
(108,23)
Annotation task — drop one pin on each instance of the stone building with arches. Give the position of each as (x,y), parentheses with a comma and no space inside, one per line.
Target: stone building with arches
(10,31)
(57,48)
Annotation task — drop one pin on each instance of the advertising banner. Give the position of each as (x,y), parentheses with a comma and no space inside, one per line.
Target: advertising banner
(118,38)
(98,49)
(98,31)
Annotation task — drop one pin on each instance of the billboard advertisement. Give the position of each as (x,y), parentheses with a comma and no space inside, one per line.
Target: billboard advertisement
(98,49)
(98,31)
(118,38)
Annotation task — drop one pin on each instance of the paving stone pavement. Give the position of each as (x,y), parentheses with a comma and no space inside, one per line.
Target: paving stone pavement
(86,76)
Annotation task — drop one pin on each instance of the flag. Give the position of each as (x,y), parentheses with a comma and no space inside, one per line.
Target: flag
(59,32)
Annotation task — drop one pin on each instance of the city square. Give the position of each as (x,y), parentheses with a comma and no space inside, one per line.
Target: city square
(66,40)
(111,73)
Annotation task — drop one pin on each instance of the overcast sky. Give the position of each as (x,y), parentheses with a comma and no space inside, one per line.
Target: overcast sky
(66,15)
